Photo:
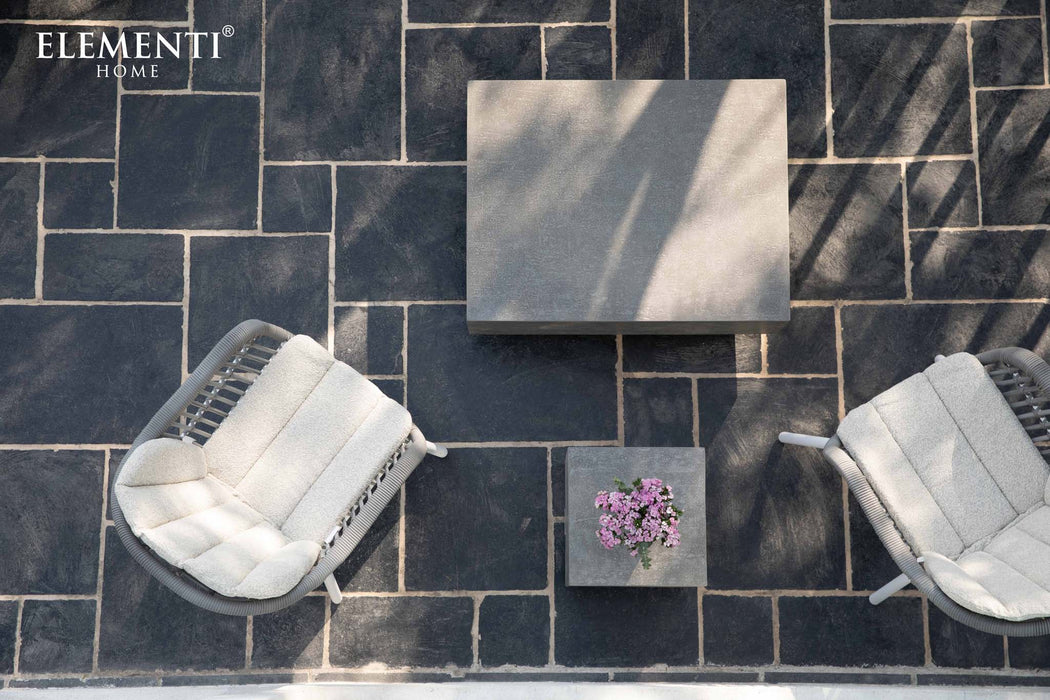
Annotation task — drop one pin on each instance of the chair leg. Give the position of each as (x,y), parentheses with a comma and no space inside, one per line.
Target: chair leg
(439,451)
(889,589)
(333,589)
(803,440)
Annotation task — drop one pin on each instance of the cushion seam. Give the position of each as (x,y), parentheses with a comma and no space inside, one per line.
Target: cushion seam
(1023,575)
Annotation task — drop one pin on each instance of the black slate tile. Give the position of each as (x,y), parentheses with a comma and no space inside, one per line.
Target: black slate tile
(188,161)
(597,626)
(8,627)
(290,638)
(1007,52)
(850,631)
(50,106)
(514,630)
(113,266)
(558,480)
(774,512)
(824,678)
(523,11)
(146,627)
(871,563)
(942,193)
(578,53)
(19,190)
(370,338)
(954,644)
(401,233)
(234,679)
(806,345)
(386,677)
(738,631)
(86,682)
(297,198)
(1029,652)
(881,9)
(394,388)
(468,387)
(692,353)
(401,632)
(78,195)
(280,280)
(900,89)
(477,520)
(658,412)
(650,39)
(438,65)
(982,679)
(913,334)
(847,239)
(57,636)
(163,72)
(164,10)
(372,566)
(767,39)
(1015,157)
(240,65)
(684,677)
(85,373)
(980,264)
(339,103)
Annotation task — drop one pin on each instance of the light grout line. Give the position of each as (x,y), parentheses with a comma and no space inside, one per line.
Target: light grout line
(38,282)
(620,427)
(906,232)
(404,354)
(847,542)
(372,163)
(18,637)
(401,541)
(1043,43)
(326,636)
(475,633)
(695,391)
(187,91)
(116,23)
(496,25)
(612,35)
(1006,652)
(190,61)
(543,53)
(185,307)
(77,302)
(550,558)
(47,159)
(933,20)
(116,144)
(775,603)
(927,650)
(404,98)
(976,155)
(723,375)
(685,24)
(847,535)
(1008,88)
(877,160)
(405,303)
(829,112)
(249,630)
(262,118)
(763,353)
(97,632)
(331,266)
(700,623)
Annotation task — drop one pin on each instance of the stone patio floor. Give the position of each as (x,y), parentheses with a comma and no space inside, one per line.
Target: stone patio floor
(315,178)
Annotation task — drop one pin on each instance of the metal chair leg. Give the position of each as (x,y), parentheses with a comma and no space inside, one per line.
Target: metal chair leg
(333,589)
(439,451)
(803,440)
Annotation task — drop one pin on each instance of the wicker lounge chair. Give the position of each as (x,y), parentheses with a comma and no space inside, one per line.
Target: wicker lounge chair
(950,466)
(262,473)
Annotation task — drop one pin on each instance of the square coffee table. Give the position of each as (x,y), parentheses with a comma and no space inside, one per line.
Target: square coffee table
(627,206)
(589,470)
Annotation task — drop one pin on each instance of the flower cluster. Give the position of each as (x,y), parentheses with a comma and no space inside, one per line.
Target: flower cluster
(638,515)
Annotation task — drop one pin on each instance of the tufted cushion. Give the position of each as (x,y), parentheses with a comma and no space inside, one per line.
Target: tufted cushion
(963,483)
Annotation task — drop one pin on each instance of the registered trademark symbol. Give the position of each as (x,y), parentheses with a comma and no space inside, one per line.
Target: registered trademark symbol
(227,30)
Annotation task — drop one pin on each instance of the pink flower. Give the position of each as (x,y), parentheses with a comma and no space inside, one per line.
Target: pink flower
(637,516)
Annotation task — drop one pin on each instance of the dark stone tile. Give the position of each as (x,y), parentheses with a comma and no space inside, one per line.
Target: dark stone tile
(8,624)
(1029,652)
(549,387)
(394,388)
(1015,157)
(985,679)
(538,676)
(871,563)
(980,264)
(578,53)
(371,338)
(342,103)
(401,233)
(147,627)
(558,479)
(78,195)
(290,638)
(738,631)
(241,62)
(942,193)
(850,631)
(861,9)
(385,677)
(189,161)
(526,11)
(900,89)
(767,39)
(837,678)
(692,353)
(621,626)
(166,72)
(165,10)
(477,520)
(400,632)
(847,232)
(19,190)
(955,644)
(684,677)
(280,280)
(83,374)
(774,512)
(650,39)
(806,345)
(658,412)
(57,636)
(234,679)
(297,198)
(913,334)
(514,630)
(113,266)
(438,65)
(1007,52)
(53,107)
(89,682)
(372,566)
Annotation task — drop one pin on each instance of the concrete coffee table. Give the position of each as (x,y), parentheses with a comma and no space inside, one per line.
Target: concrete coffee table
(641,206)
(592,469)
